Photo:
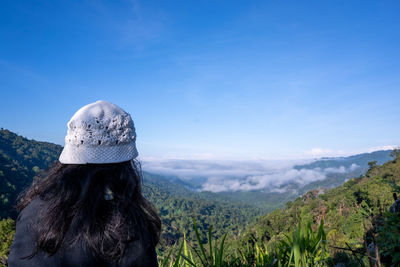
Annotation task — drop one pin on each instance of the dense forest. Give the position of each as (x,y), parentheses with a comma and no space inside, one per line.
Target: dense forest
(349,225)
(177,205)
(20,161)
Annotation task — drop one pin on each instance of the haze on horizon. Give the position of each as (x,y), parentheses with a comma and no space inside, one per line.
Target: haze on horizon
(208,80)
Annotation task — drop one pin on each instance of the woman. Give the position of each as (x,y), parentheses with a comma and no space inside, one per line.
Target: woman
(89,210)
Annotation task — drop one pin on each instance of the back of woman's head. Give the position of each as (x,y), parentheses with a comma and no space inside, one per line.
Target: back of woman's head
(99,205)
(93,195)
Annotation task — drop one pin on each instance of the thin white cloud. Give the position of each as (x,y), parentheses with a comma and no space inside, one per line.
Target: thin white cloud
(354,167)
(372,149)
(341,169)
(319,152)
(267,181)
(189,169)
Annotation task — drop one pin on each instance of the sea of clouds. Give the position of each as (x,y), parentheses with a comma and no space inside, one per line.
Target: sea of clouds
(231,175)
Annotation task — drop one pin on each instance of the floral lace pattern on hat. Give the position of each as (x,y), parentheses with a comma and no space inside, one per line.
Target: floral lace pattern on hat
(101,132)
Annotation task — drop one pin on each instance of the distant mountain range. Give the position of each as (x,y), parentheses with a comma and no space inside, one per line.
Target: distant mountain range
(323,173)
(361,160)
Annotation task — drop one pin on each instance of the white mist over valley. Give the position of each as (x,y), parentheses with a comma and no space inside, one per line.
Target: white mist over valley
(260,175)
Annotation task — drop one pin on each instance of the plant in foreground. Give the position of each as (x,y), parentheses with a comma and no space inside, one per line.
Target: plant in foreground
(303,248)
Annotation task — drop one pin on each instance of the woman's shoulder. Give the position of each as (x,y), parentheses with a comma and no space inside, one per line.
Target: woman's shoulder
(36,203)
(139,252)
(32,210)
(24,244)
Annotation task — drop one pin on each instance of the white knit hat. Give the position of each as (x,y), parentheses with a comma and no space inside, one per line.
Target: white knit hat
(100,132)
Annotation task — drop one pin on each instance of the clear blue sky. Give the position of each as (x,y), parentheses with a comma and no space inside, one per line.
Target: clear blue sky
(208,79)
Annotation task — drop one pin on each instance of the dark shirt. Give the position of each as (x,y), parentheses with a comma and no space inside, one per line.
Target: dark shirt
(139,252)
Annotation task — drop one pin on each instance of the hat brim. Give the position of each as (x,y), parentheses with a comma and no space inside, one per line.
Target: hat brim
(98,154)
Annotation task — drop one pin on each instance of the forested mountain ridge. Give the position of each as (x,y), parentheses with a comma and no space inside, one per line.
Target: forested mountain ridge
(353,214)
(20,161)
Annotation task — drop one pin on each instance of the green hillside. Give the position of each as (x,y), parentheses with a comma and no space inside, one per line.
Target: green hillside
(178,205)
(353,215)
(20,161)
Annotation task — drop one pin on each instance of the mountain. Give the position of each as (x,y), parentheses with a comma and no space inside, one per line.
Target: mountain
(347,167)
(22,159)
(360,160)
(354,214)
(323,174)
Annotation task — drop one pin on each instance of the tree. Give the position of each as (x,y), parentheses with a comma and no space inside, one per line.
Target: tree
(395,153)
(372,164)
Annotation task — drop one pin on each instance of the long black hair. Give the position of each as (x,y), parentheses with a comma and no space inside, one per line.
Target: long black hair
(101,205)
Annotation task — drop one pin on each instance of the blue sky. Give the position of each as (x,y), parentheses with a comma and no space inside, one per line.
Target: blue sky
(208,79)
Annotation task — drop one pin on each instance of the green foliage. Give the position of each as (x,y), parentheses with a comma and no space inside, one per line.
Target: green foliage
(20,160)
(255,255)
(213,257)
(395,153)
(372,164)
(348,211)
(7,231)
(178,205)
(304,248)
(389,238)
